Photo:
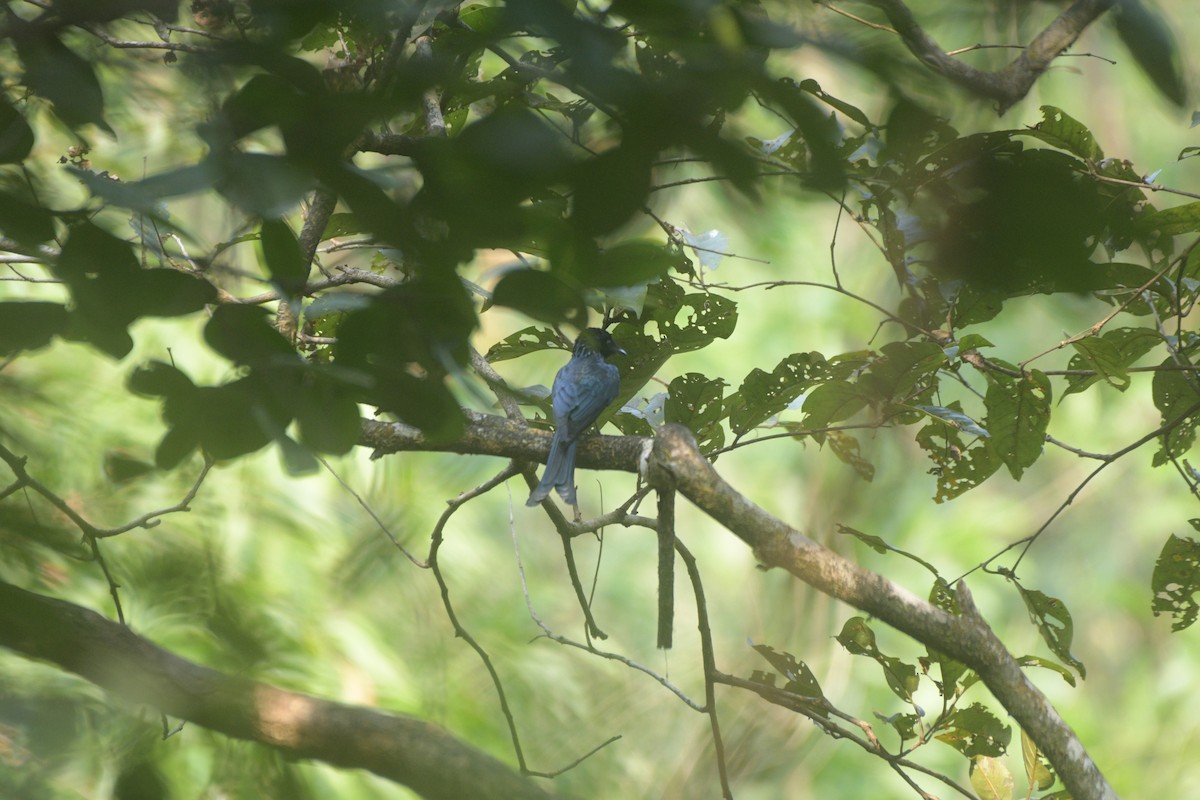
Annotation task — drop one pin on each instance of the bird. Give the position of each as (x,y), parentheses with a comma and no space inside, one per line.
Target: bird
(583,388)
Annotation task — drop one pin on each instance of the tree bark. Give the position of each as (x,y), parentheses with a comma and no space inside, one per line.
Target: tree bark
(418,754)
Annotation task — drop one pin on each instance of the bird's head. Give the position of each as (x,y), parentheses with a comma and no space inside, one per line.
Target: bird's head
(599,341)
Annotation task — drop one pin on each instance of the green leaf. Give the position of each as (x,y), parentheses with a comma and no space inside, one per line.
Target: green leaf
(343,223)
(166,292)
(1053,622)
(762,395)
(858,639)
(1176,398)
(957,468)
(243,335)
(1103,356)
(832,402)
(159,379)
(610,188)
(281,252)
(30,325)
(694,400)
(16,137)
(1172,221)
(525,341)
(630,263)
(1045,663)
(541,295)
(801,680)
(1110,356)
(121,467)
(55,72)
(975,731)
(1018,414)
(328,417)
(1176,580)
(880,546)
(814,88)
(1057,129)
(991,779)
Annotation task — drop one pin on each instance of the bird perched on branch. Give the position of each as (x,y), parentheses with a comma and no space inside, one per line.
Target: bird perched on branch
(583,388)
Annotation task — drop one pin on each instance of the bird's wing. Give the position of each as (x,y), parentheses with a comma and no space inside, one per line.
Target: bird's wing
(594,385)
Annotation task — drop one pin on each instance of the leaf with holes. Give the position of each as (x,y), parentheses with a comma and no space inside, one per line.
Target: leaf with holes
(1176,580)
(975,731)
(1053,622)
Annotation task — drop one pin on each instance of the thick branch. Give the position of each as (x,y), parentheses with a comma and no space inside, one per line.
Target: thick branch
(416,753)
(1012,83)
(676,462)
(495,436)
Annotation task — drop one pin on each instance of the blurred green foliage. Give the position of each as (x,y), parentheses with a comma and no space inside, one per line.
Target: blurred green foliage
(493,164)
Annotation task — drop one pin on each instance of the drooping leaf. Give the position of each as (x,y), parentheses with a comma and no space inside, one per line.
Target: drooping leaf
(1053,622)
(958,468)
(880,546)
(800,679)
(146,195)
(1045,663)
(1176,580)
(858,639)
(1152,43)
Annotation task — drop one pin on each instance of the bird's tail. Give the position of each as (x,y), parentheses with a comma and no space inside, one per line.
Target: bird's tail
(559,474)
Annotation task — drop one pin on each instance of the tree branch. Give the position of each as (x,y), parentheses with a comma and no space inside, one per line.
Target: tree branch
(490,435)
(1012,83)
(410,751)
(676,461)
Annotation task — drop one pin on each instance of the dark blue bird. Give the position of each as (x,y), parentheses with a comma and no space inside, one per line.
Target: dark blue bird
(582,389)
